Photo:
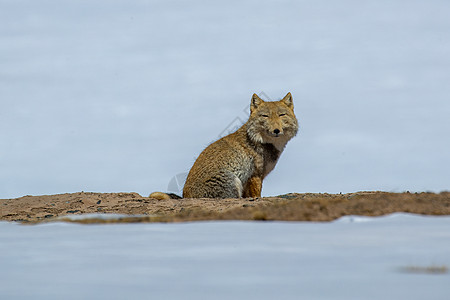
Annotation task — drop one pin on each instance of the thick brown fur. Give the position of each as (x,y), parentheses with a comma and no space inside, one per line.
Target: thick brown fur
(236,165)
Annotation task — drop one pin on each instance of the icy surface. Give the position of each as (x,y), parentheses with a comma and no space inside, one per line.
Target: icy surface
(99,216)
(122,95)
(351,258)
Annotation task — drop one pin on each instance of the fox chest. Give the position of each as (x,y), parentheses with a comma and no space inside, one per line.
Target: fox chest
(268,159)
(268,167)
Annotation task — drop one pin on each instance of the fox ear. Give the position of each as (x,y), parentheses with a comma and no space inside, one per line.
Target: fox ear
(288,101)
(256,101)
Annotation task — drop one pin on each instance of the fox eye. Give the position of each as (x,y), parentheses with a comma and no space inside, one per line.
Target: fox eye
(282,115)
(265,116)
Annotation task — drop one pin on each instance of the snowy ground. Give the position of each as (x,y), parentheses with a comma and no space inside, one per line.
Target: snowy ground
(352,258)
(123,95)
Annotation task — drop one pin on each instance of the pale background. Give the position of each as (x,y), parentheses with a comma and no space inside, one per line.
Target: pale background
(111,96)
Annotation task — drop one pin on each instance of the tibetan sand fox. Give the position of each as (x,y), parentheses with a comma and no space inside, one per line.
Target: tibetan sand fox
(235,165)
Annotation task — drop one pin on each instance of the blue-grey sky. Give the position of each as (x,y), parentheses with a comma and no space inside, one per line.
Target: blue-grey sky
(115,96)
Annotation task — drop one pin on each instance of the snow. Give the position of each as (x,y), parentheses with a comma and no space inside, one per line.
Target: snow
(351,258)
(123,95)
(100,216)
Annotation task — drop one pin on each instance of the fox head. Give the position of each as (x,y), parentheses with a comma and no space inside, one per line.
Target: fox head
(272,122)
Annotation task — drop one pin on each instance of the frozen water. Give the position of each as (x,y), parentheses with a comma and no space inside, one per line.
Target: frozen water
(227,260)
(123,95)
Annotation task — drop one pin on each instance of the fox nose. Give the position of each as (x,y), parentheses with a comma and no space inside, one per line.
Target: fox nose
(276,131)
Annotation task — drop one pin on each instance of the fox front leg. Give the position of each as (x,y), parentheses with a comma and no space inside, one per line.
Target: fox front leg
(253,188)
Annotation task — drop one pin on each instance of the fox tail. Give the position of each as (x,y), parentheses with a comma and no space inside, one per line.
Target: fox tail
(164,196)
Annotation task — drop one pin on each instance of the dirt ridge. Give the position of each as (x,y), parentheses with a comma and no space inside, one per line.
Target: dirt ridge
(289,207)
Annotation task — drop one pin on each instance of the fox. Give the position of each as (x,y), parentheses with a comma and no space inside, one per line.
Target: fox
(236,165)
